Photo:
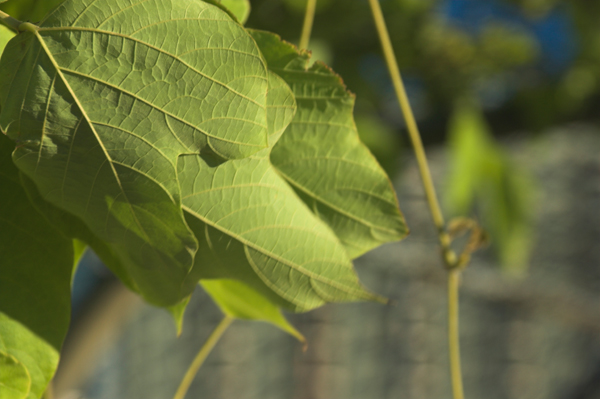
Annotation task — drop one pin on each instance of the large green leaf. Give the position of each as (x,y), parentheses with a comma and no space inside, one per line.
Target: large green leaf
(72,226)
(281,107)
(36,263)
(105,96)
(321,156)
(238,300)
(252,227)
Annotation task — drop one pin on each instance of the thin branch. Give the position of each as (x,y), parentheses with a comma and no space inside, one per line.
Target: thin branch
(309,17)
(9,21)
(415,137)
(453,334)
(201,356)
(448,255)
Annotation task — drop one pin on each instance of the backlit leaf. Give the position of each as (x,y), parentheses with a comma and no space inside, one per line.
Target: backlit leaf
(5,35)
(238,300)
(105,96)
(252,227)
(321,156)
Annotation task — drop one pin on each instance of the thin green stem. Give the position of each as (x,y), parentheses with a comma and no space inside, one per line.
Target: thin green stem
(309,17)
(449,257)
(453,334)
(201,356)
(9,21)
(415,137)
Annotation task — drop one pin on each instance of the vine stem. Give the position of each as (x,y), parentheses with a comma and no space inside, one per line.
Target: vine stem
(201,357)
(10,21)
(413,131)
(453,334)
(449,257)
(309,17)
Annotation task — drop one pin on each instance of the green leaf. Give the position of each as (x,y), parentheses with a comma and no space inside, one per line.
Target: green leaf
(280,111)
(29,10)
(483,175)
(35,276)
(15,382)
(321,156)
(73,227)
(5,35)
(177,311)
(79,248)
(238,300)
(251,226)
(382,141)
(105,96)
(239,8)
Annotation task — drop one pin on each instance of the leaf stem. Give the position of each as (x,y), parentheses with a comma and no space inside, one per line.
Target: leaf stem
(201,356)
(453,334)
(309,17)
(415,137)
(10,21)
(449,257)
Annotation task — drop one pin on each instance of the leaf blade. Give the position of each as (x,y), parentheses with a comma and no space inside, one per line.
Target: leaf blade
(105,96)
(239,301)
(321,156)
(14,379)
(252,227)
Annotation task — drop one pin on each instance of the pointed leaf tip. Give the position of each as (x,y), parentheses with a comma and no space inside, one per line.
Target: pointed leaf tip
(236,299)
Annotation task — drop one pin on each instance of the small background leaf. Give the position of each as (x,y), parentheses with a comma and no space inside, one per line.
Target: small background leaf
(484,180)
(238,300)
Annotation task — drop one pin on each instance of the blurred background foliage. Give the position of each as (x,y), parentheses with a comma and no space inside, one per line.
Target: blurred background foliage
(474,70)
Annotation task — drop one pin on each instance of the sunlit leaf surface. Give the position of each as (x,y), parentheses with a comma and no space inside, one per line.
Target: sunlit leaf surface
(321,156)
(105,96)
(238,300)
